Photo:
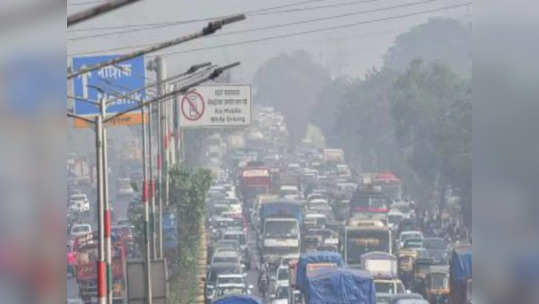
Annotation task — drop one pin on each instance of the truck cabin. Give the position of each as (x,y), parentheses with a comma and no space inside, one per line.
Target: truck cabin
(422,267)
(314,220)
(437,280)
(380,265)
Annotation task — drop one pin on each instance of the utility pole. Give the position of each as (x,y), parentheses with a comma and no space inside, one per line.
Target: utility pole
(152,182)
(159,67)
(145,201)
(101,267)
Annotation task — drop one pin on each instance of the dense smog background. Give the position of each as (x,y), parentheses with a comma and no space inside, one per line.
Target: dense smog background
(391,95)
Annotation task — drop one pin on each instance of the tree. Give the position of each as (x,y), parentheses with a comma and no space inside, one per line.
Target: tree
(431,107)
(290,83)
(188,189)
(364,126)
(440,40)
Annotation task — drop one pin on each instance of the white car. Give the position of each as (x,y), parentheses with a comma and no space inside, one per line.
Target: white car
(280,296)
(79,203)
(78,230)
(409,235)
(124,187)
(290,192)
(281,277)
(391,286)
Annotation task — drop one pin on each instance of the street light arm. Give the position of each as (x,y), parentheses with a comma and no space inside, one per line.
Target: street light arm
(79,117)
(129,95)
(181,90)
(96,11)
(208,30)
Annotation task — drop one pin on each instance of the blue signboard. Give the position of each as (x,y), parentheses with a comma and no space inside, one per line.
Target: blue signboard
(108,82)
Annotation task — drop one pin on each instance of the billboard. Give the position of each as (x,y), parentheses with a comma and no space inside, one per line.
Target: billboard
(109,82)
(216,106)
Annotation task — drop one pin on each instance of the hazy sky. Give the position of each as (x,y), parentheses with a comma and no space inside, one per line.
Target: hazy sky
(345,51)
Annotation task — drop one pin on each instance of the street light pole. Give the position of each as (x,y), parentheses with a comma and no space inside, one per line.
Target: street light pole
(101,267)
(148,282)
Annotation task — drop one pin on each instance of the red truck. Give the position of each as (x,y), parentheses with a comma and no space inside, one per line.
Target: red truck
(254,181)
(86,249)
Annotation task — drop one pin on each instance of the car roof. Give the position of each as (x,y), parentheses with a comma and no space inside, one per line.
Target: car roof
(228,253)
(406,296)
(223,265)
(230,275)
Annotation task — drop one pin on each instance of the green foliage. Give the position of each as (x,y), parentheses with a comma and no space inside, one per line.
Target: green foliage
(439,40)
(432,110)
(188,189)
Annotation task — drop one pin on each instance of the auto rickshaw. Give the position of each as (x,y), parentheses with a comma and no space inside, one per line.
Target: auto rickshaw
(406,260)
(437,284)
(420,270)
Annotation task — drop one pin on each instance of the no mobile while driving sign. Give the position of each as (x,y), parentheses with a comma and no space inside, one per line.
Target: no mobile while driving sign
(216,106)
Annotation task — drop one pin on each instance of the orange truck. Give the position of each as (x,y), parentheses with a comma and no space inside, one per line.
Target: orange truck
(86,269)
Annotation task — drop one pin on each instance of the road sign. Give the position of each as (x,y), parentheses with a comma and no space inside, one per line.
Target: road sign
(121,78)
(193,106)
(216,106)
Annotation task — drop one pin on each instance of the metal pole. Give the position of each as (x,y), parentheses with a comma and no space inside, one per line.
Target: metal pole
(152,182)
(106,206)
(107,219)
(101,267)
(148,279)
(96,11)
(161,74)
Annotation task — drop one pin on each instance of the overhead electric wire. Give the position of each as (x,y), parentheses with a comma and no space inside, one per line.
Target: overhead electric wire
(316,30)
(191,20)
(274,26)
(174,23)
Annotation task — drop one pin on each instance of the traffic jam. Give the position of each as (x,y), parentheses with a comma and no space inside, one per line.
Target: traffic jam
(296,224)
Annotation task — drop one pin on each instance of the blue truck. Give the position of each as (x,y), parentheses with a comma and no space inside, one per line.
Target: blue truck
(340,285)
(238,299)
(320,279)
(460,275)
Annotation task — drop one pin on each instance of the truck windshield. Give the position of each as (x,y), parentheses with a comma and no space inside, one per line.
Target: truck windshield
(360,242)
(281,229)
(439,281)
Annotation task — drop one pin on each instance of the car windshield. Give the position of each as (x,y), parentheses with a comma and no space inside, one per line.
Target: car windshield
(434,244)
(384,287)
(229,280)
(230,290)
(239,237)
(79,229)
(413,244)
(214,272)
(225,259)
(283,274)
(282,293)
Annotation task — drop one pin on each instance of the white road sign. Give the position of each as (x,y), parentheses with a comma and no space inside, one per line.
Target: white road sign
(216,106)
